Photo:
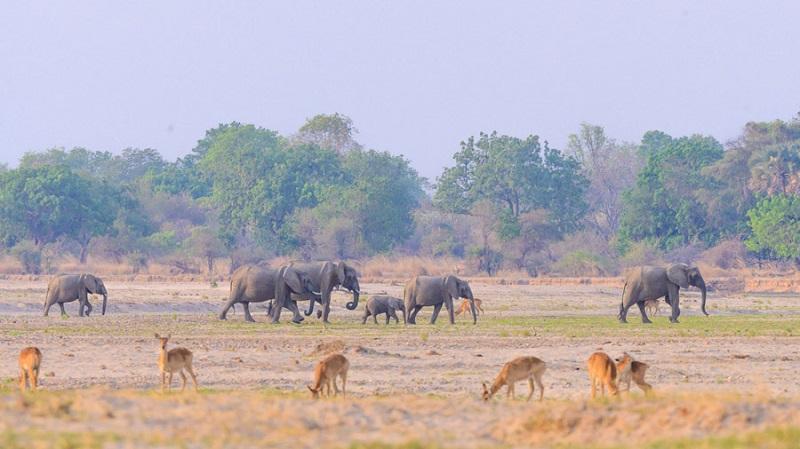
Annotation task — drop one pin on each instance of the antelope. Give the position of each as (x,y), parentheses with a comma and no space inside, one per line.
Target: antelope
(326,371)
(651,306)
(602,371)
(465,306)
(517,370)
(29,360)
(176,360)
(630,369)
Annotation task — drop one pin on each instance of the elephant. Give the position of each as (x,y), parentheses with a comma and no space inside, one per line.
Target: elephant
(252,283)
(69,287)
(434,291)
(380,304)
(324,277)
(646,283)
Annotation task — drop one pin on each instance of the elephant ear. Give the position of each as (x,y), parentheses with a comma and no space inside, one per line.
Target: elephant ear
(292,279)
(341,272)
(89,282)
(676,273)
(451,285)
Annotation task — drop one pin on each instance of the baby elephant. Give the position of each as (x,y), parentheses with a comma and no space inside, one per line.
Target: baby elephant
(389,305)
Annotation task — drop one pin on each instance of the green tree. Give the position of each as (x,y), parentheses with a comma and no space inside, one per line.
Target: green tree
(775,226)
(665,204)
(764,160)
(329,131)
(518,176)
(49,202)
(258,179)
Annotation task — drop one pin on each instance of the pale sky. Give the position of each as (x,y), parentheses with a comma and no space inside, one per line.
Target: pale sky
(415,77)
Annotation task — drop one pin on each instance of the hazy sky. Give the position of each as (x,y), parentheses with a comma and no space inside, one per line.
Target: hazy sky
(415,77)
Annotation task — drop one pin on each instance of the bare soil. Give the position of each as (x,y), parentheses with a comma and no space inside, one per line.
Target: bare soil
(417,383)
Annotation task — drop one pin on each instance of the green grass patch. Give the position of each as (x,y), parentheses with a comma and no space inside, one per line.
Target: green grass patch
(578,326)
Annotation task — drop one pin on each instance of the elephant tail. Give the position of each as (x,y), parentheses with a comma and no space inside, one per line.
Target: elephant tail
(622,301)
(47,296)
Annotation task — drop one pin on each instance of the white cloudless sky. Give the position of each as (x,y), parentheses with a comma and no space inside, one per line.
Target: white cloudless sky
(416,77)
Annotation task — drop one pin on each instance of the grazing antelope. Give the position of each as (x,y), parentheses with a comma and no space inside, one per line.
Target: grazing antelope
(517,370)
(465,306)
(326,372)
(176,360)
(629,369)
(651,306)
(29,360)
(602,371)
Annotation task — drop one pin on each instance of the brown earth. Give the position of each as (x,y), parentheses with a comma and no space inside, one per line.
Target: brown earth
(404,381)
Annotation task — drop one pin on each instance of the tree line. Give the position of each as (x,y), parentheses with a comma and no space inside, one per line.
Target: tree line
(249,194)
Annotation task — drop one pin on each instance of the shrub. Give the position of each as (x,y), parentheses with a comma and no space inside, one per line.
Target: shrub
(29,256)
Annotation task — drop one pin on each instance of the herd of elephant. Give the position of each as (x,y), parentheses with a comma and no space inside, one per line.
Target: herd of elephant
(284,287)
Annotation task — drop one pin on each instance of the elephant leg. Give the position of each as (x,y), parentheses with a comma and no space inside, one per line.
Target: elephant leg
(247,316)
(644,313)
(223,315)
(394,315)
(435,314)
(63,310)
(326,310)
(82,300)
(297,318)
(366,315)
(88,307)
(674,302)
(388,317)
(450,312)
(375,318)
(623,312)
(412,314)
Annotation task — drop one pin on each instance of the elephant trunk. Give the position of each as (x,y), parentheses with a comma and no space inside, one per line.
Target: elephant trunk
(105,299)
(702,285)
(310,309)
(354,303)
(472,308)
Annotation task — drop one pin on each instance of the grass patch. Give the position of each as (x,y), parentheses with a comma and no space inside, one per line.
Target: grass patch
(776,325)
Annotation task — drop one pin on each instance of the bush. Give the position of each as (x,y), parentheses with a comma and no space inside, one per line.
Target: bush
(583,263)
(29,256)
(727,254)
(641,253)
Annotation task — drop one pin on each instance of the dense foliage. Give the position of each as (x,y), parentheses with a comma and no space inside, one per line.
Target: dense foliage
(248,193)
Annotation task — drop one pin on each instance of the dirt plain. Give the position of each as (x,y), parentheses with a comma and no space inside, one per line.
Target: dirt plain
(729,375)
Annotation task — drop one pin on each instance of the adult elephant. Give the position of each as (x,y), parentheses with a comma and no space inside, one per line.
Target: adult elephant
(434,291)
(69,287)
(324,276)
(645,283)
(251,283)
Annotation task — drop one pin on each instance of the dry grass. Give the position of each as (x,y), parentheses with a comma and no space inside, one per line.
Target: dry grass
(225,418)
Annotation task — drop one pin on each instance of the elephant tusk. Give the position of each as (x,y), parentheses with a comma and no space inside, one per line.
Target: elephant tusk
(316,293)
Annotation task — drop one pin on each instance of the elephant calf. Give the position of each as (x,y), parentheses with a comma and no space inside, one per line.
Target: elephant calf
(388,305)
(69,287)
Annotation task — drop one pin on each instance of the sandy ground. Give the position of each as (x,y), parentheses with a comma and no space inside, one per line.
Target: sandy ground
(421,378)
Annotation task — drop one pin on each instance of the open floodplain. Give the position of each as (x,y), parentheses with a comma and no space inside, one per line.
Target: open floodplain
(728,380)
